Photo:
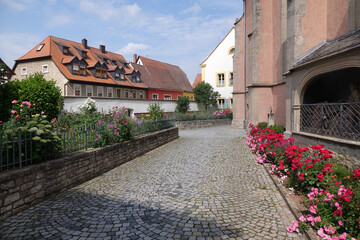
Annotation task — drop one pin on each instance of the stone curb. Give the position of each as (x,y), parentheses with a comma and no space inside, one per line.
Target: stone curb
(293,203)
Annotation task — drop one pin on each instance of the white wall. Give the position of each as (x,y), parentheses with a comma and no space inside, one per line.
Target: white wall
(136,106)
(221,62)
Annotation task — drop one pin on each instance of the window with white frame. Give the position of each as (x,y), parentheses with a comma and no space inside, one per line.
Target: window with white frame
(109,91)
(77,89)
(23,71)
(141,94)
(45,69)
(89,90)
(231,79)
(220,79)
(167,97)
(221,103)
(231,102)
(100,91)
(155,96)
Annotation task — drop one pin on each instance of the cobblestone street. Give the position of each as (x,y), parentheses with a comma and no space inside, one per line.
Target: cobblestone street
(205,185)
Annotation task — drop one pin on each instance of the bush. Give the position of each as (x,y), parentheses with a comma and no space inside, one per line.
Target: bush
(36,89)
(277,128)
(262,125)
(182,105)
(155,111)
(88,107)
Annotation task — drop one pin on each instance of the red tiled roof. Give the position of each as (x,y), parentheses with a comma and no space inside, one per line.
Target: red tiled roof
(51,49)
(197,80)
(159,75)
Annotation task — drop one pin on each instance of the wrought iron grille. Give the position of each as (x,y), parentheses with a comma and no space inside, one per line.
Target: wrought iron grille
(340,120)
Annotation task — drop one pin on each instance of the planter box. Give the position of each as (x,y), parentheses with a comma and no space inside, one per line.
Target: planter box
(25,187)
(182,125)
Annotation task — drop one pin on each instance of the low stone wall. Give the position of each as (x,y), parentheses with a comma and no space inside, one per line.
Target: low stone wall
(21,188)
(182,125)
(348,151)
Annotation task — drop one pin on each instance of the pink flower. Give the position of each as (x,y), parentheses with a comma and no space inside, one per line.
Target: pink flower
(14,102)
(343,236)
(293,227)
(34,104)
(317,219)
(341,223)
(313,209)
(13,111)
(21,105)
(302,219)
(17,116)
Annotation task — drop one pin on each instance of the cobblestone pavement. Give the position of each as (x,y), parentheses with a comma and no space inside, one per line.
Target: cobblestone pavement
(205,185)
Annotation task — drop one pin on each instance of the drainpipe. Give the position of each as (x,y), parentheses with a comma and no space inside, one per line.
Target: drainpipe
(244,9)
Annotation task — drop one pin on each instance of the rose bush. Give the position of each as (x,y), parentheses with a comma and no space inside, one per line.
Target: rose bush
(331,192)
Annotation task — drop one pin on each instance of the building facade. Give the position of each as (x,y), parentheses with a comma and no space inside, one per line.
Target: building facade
(217,70)
(297,64)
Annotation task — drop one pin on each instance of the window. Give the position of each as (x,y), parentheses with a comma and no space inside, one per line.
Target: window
(138,79)
(167,97)
(103,74)
(45,69)
(179,96)
(127,94)
(122,76)
(221,103)
(77,90)
(76,69)
(84,54)
(66,51)
(100,91)
(133,94)
(117,76)
(141,94)
(89,90)
(155,96)
(231,102)
(109,91)
(220,80)
(118,92)
(82,70)
(98,73)
(40,47)
(231,79)
(23,71)
(231,50)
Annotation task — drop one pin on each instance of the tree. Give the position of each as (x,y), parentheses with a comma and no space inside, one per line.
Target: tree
(205,94)
(182,105)
(155,111)
(36,89)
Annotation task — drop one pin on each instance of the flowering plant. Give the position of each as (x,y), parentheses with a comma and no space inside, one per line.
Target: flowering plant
(332,191)
(88,107)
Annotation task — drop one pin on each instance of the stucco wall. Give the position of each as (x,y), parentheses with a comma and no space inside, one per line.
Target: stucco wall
(161,93)
(136,106)
(37,66)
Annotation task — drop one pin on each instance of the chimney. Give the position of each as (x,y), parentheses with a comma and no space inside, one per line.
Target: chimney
(135,58)
(84,43)
(102,48)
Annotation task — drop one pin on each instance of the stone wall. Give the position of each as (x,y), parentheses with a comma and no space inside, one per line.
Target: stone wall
(25,187)
(183,125)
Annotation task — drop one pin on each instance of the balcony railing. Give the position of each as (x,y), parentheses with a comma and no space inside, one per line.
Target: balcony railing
(341,120)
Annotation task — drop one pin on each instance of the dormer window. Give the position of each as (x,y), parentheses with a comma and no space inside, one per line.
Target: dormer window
(117,76)
(122,76)
(40,47)
(83,54)
(79,70)
(100,73)
(114,62)
(138,79)
(103,74)
(66,51)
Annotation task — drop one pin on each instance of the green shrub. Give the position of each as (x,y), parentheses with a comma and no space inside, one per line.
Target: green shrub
(155,111)
(88,107)
(182,105)
(262,125)
(278,128)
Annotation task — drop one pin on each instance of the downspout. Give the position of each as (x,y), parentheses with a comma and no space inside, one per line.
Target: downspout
(244,8)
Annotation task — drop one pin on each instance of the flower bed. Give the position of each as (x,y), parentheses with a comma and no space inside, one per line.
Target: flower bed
(330,191)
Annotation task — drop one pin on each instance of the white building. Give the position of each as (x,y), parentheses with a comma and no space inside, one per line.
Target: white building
(217,70)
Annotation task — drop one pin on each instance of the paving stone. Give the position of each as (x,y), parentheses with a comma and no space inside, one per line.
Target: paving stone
(204,185)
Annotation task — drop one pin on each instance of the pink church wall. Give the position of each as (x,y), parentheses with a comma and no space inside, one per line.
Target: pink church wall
(279,104)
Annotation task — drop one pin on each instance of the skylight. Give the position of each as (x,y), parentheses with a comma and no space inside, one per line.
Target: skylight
(40,47)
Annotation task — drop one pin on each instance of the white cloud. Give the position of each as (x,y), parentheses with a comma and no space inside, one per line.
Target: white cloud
(17,5)
(194,9)
(132,48)
(15,45)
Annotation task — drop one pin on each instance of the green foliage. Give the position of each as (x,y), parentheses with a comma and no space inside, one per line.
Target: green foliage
(37,89)
(262,125)
(155,111)
(205,94)
(278,128)
(182,105)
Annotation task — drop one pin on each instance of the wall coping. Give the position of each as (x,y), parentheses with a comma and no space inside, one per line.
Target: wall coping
(331,139)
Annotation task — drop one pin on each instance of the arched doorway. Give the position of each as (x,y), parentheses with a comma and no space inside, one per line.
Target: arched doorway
(331,104)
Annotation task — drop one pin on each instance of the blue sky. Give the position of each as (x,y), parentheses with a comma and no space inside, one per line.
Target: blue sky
(181,32)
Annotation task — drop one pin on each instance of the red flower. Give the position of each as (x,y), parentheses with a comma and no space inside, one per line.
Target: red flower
(338,212)
(301,176)
(17,116)
(53,120)
(356,174)
(320,176)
